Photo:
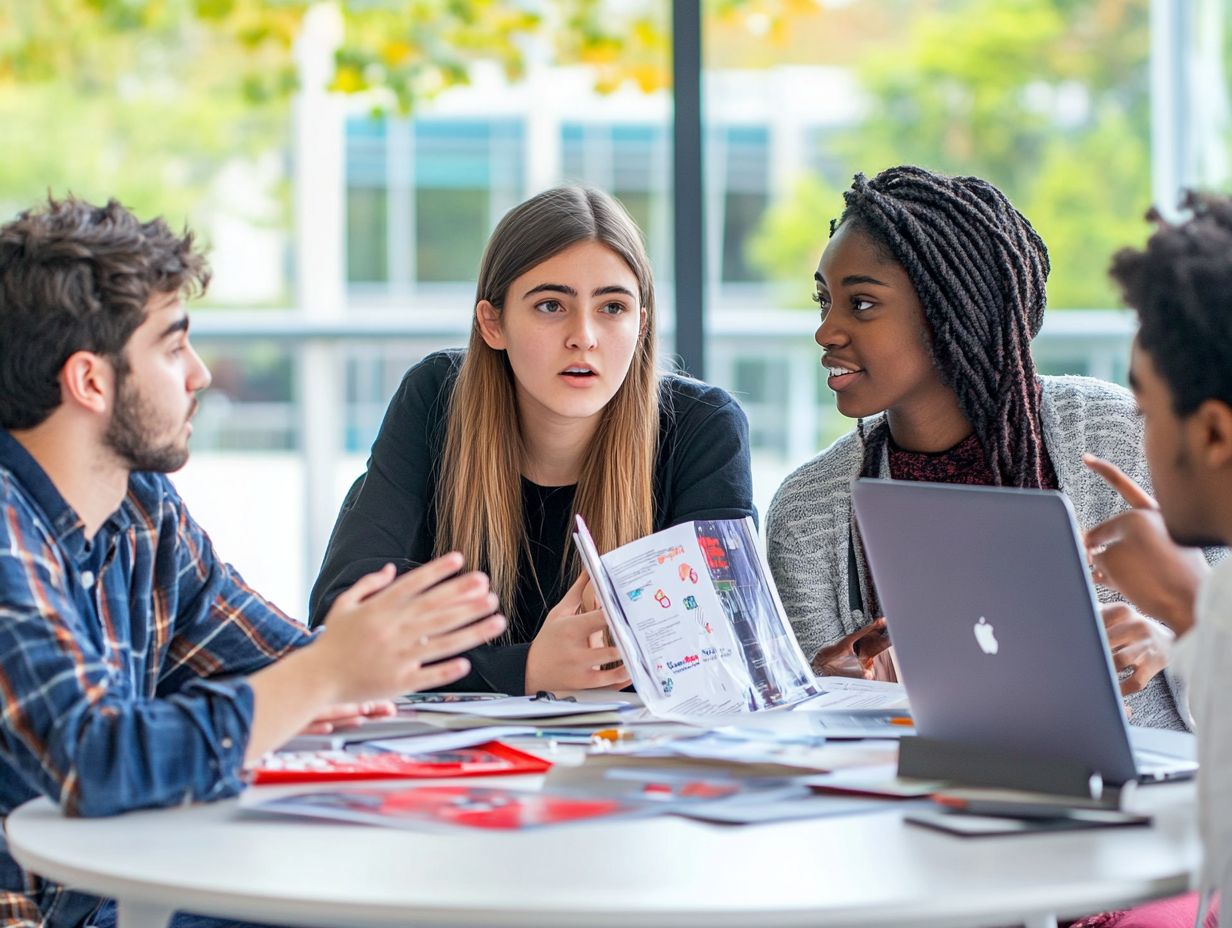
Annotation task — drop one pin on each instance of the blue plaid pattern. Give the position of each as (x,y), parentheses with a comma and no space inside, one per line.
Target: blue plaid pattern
(121,663)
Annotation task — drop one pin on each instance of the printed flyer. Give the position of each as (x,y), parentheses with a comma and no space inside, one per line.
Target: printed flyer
(697,620)
(447,806)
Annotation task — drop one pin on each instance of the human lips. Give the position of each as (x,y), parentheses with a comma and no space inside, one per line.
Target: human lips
(579,374)
(841,374)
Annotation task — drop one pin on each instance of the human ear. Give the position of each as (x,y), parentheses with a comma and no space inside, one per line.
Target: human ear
(488,319)
(87,380)
(1212,428)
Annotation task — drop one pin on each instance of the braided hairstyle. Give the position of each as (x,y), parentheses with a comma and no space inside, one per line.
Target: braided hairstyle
(979,270)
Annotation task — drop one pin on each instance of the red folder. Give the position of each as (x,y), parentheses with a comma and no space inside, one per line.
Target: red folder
(489,759)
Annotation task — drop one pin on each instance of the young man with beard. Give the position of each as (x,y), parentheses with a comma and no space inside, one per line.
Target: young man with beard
(136,668)
(1181,374)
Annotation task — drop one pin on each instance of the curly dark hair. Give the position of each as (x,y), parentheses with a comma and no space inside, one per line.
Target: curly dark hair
(979,270)
(76,277)
(1180,284)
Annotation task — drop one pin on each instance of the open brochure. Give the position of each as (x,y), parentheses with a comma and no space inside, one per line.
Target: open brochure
(697,620)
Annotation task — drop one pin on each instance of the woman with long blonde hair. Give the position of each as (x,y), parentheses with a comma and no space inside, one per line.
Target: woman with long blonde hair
(555,408)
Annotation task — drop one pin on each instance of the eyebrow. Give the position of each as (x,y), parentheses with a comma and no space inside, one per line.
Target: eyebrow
(612,288)
(570,291)
(852,280)
(179,325)
(551,288)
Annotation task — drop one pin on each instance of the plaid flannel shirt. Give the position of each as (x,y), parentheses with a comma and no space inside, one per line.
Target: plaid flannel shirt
(121,663)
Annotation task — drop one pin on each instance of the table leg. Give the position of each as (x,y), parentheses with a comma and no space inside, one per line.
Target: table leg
(1039,921)
(142,915)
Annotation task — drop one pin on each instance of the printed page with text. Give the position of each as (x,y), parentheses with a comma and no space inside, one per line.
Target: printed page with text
(697,620)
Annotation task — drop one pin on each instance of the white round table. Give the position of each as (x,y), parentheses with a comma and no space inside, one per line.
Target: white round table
(852,871)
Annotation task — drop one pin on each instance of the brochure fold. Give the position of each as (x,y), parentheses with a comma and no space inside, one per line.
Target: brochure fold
(698,621)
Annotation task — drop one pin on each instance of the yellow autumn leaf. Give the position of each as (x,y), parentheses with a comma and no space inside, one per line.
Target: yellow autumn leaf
(645,33)
(606,82)
(397,52)
(599,54)
(650,78)
(348,79)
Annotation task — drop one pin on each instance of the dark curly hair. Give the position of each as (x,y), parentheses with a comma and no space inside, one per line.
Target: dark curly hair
(76,277)
(1180,284)
(979,270)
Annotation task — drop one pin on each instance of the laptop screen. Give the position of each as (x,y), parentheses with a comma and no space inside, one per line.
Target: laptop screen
(994,620)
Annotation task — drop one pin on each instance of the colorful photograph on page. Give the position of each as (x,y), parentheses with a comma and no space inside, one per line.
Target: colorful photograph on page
(488,808)
(696,616)
(683,786)
(777,672)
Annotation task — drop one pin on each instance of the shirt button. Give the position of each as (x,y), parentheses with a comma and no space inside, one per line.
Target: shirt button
(87,578)
(226,743)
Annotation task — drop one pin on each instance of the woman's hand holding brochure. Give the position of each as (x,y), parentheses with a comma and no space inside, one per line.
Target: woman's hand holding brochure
(561,656)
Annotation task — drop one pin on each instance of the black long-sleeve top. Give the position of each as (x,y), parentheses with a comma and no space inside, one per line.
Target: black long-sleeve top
(389,514)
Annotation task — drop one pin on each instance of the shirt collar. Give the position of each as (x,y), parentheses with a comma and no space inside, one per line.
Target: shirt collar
(66,525)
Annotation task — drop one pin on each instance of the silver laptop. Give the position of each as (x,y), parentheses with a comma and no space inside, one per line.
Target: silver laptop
(996,627)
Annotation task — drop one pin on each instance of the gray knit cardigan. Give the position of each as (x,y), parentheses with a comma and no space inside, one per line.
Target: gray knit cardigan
(808,527)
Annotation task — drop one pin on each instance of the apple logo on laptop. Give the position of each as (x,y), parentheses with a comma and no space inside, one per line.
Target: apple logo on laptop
(985,637)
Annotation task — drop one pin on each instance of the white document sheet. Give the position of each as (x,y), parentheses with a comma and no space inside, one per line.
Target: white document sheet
(522,707)
(804,752)
(448,740)
(855,693)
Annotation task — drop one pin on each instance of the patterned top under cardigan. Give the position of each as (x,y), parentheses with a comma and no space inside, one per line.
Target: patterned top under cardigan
(809,531)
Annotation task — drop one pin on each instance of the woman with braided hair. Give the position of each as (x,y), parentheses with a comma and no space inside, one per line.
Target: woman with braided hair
(931,289)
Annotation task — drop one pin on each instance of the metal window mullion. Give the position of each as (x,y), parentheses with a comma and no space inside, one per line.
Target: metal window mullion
(688,189)
(400,205)
(1171,150)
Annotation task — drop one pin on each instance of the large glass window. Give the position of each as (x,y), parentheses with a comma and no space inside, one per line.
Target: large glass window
(632,161)
(1053,100)
(367,201)
(467,174)
(1050,101)
(1212,92)
(742,160)
(422,195)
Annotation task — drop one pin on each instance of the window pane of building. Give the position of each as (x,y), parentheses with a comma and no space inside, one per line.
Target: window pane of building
(366,201)
(1050,102)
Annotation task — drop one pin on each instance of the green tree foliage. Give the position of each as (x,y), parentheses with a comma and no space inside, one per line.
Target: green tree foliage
(149,100)
(1048,99)
(1087,200)
(790,240)
(145,101)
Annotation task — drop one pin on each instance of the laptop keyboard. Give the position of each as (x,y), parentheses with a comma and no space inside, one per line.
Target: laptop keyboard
(1153,766)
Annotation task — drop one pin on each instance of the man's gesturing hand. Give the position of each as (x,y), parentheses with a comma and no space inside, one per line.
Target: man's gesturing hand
(383,635)
(1133,554)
